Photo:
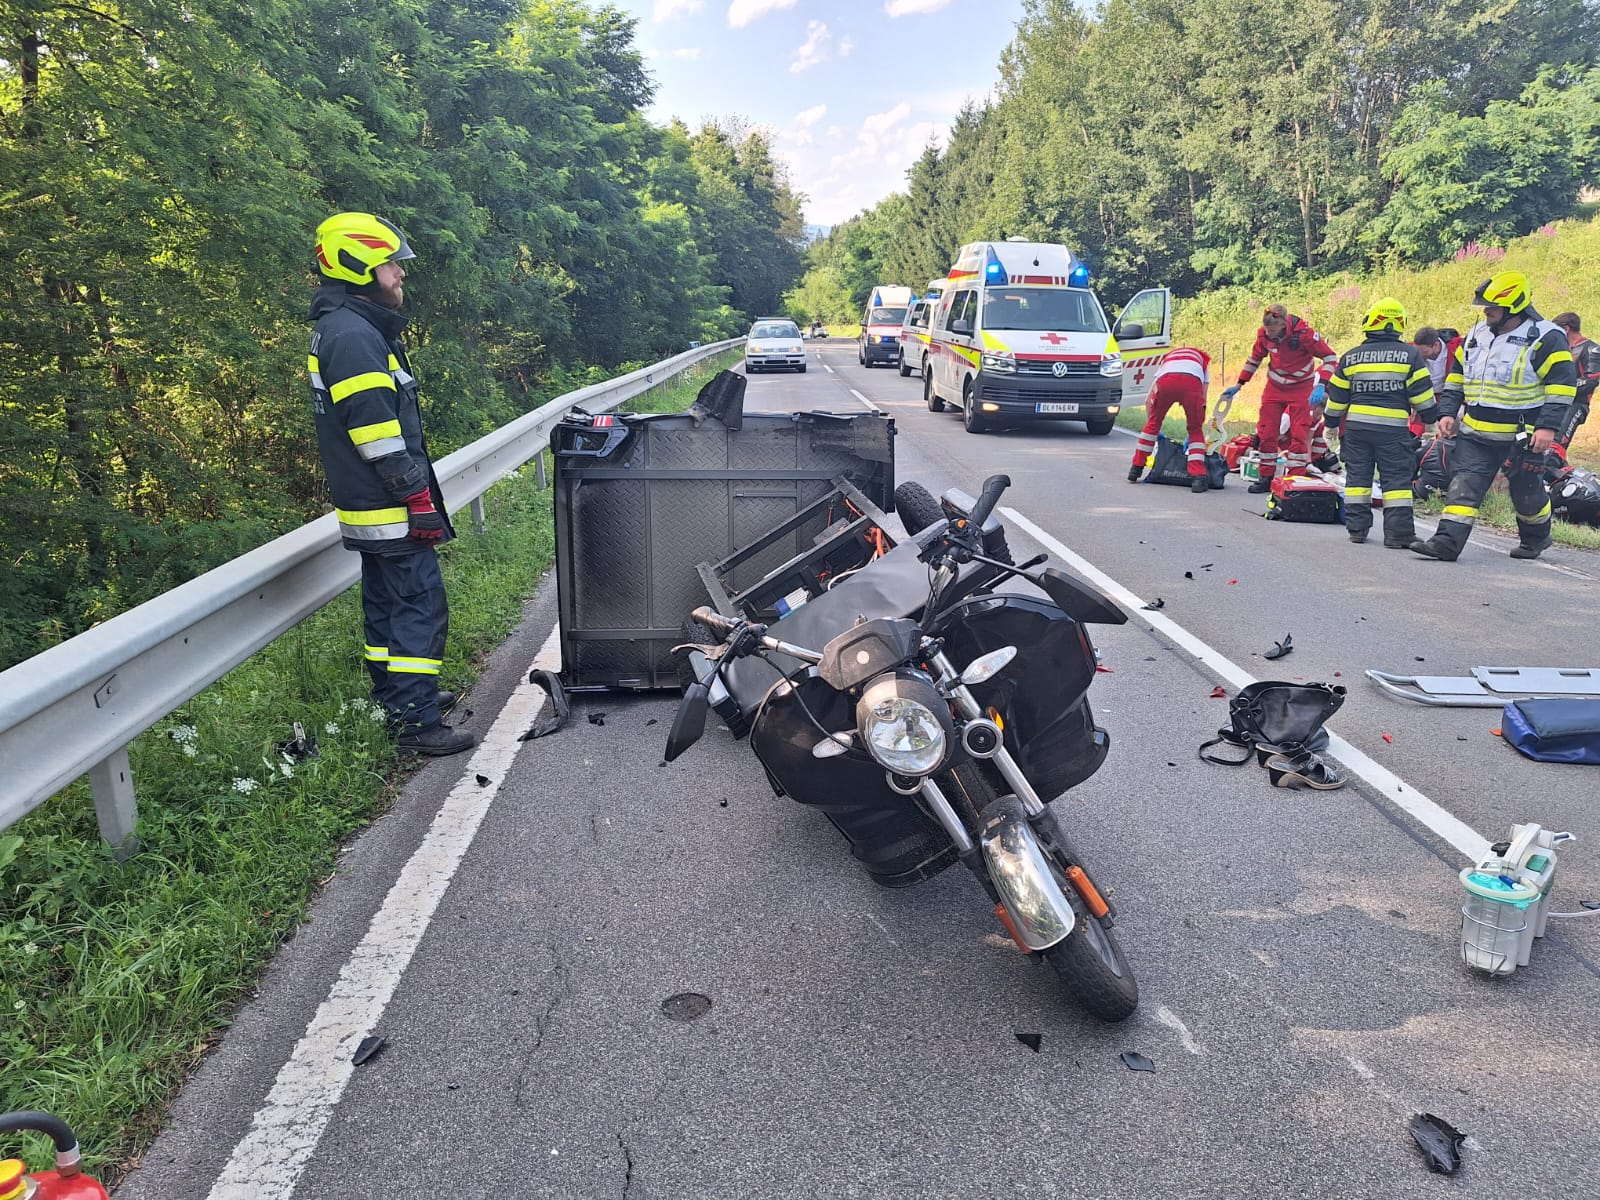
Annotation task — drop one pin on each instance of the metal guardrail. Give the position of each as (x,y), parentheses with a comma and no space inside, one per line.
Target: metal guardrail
(74,709)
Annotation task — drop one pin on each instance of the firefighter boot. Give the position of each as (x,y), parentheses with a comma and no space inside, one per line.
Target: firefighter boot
(1523,550)
(1261,485)
(1434,548)
(1134,473)
(436,741)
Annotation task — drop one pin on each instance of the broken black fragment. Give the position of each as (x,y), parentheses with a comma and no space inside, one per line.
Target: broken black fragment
(299,747)
(1280,649)
(1158,602)
(483,780)
(1439,1141)
(597,718)
(651,721)
(370,1045)
(1137,1062)
(1031,1040)
(1188,574)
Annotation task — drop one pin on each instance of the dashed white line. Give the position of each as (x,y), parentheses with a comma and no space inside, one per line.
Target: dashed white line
(1446,825)
(867,402)
(269,1160)
(829,369)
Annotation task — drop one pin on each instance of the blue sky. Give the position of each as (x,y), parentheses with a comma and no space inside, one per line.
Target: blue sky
(851,89)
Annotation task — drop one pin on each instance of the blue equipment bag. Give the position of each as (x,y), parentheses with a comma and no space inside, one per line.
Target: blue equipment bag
(1554,730)
(1170,464)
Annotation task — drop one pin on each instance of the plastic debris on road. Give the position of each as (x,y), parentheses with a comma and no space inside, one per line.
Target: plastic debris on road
(1158,602)
(1439,1141)
(1137,1062)
(1219,693)
(1388,737)
(483,780)
(1031,1040)
(369,1047)
(685,1006)
(1279,649)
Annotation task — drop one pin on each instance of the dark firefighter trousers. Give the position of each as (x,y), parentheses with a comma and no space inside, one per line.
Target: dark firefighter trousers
(1393,453)
(406,618)
(1473,467)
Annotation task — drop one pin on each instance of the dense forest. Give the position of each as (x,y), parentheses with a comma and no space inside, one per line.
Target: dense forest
(1213,143)
(162,168)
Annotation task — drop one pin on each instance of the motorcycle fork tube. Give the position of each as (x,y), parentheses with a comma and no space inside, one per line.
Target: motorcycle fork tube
(947,818)
(967,704)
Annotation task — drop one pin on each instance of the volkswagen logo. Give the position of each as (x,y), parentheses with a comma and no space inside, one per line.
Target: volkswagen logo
(1058,369)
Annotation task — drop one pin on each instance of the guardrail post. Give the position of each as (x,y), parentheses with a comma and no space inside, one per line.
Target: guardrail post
(114,803)
(477,515)
(538,471)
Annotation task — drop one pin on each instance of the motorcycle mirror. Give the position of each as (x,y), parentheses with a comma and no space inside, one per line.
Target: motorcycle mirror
(988,666)
(1080,601)
(690,722)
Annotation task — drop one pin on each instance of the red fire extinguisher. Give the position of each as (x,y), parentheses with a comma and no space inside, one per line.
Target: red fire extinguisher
(66,1182)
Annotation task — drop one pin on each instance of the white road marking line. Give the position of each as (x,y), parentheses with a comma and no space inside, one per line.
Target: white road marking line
(269,1160)
(826,367)
(1445,824)
(867,402)
(1171,1020)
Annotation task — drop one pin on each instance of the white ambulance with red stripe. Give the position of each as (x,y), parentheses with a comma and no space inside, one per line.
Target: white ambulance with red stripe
(1018,336)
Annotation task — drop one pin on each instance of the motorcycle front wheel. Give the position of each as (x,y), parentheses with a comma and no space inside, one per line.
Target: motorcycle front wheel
(1090,961)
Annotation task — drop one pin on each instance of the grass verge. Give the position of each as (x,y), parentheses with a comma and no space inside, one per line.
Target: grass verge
(115,980)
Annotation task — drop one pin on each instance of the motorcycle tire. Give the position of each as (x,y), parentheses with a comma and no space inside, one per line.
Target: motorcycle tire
(917,508)
(1091,962)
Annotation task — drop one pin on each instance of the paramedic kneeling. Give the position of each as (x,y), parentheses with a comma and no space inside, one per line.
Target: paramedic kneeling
(1181,379)
(1513,372)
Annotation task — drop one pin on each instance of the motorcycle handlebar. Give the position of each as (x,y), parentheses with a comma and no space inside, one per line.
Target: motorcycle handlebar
(714,620)
(993,487)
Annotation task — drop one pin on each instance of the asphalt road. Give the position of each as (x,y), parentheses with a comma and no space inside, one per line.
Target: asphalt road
(1297,951)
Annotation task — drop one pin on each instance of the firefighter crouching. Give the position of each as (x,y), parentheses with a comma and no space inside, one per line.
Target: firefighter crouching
(1374,391)
(1182,379)
(1512,373)
(1295,379)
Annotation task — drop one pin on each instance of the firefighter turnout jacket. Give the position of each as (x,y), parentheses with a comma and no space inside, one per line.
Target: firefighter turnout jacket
(1291,359)
(1502,384)
(1379,385)
(369,421)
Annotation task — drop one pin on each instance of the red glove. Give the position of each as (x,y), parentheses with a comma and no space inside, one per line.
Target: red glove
(427,526)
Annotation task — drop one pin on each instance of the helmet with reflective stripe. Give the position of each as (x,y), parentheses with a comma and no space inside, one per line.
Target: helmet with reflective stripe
(350,245)
(1507,290)
(1387,314)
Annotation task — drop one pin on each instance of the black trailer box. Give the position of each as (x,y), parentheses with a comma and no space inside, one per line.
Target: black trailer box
(640,500)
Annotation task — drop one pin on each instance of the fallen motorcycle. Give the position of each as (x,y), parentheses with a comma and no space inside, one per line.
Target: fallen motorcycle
(66,1182)
(854,703)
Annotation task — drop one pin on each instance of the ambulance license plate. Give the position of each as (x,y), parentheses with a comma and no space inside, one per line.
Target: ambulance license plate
(1057,407)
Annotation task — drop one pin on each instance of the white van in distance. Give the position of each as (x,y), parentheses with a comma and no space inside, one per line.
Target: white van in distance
(880,324)
(1018,336)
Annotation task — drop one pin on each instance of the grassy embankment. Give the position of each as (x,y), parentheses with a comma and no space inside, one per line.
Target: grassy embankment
(1563,267)
(115,980)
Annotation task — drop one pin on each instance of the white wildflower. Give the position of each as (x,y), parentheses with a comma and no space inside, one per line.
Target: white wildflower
(376,712)
(288,771)
(344,707)
(184,734)
(190,749)
(30,948)
(332,727)
(20,1005)
(245,786)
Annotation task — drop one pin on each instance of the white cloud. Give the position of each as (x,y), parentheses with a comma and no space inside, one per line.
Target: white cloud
(906,8)
(817,48)
(689,52)
(847,46)
(811,115)
(743,12)
(879,123)
(665,10)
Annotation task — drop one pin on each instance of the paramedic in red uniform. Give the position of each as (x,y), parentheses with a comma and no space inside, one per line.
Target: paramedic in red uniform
(1181,378)
(1298,365)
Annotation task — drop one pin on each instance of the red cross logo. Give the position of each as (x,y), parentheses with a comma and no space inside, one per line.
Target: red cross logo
(1138,376)
(1055,339)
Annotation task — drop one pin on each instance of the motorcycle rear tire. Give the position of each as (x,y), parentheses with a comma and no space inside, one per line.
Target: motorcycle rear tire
(917,507)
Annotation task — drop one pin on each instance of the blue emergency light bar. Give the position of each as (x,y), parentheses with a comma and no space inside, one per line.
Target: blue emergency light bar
(995,273)
(1080,276)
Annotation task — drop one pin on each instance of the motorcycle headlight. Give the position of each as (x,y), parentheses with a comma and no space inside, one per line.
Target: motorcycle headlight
(1111,364)
(1003,364)
(904,723)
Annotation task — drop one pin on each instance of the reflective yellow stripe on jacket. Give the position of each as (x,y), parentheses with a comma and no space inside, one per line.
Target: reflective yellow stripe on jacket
(373,524)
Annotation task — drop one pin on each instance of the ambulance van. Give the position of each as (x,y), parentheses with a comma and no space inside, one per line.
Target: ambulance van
(1018,336)
(880,325)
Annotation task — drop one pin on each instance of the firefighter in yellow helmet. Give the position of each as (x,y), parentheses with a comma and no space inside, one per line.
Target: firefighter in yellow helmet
(1508,389)
(1372,395)
(385,493)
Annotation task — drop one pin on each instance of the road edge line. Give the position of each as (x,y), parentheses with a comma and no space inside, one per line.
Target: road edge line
(1442,823)
(267,1162)
(867,402)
